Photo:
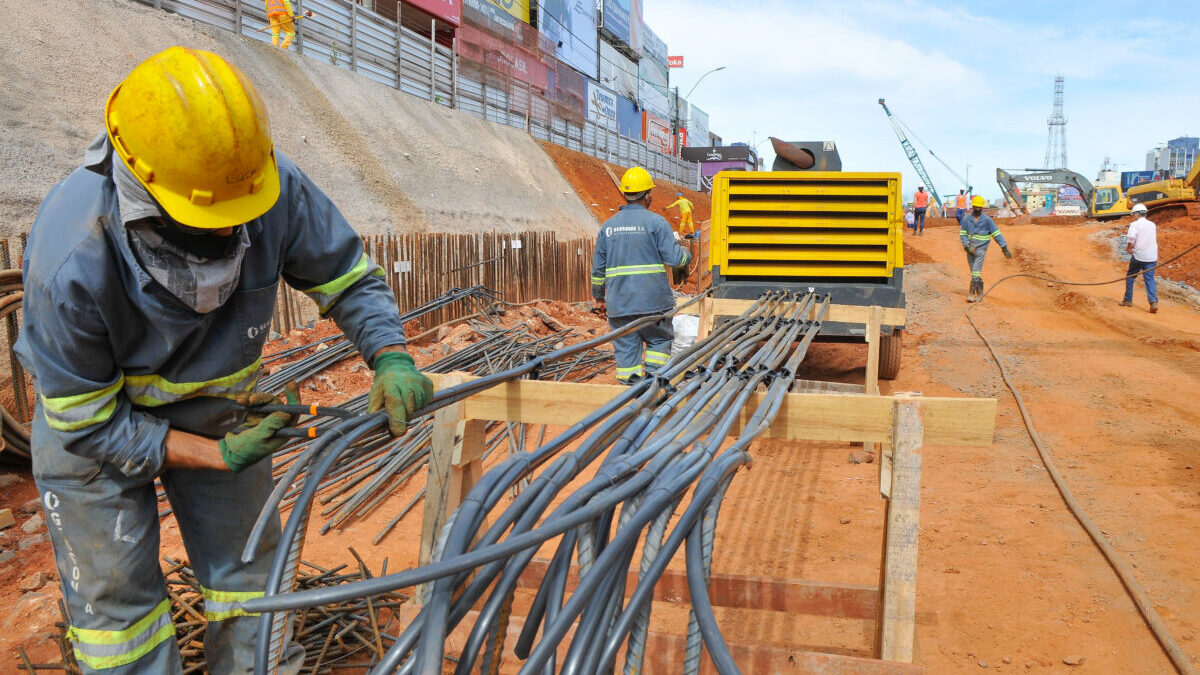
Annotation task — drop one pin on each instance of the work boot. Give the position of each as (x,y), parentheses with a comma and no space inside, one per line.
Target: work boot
(633,379)
(1125,303)
(1154,308)
(971,292)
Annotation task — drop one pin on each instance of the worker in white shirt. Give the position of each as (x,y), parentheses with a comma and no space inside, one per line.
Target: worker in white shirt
(1142,244)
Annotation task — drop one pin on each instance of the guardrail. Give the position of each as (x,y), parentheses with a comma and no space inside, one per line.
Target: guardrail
(344,34)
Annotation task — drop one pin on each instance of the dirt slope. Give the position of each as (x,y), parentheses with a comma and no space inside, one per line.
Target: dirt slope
(389,160)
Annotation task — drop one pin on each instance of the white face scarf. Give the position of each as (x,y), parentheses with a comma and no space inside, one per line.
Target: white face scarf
(202,284)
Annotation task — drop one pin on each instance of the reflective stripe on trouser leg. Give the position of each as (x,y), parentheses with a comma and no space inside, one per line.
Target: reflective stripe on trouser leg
(288,28)
(686,226)
(658,338)
(104,528)
(976,261)
(215,511)
(627,349)
(273,20)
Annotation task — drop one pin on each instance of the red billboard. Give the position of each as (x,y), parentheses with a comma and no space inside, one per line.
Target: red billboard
(674,61)
(656,131)
(449,11)
(503,57)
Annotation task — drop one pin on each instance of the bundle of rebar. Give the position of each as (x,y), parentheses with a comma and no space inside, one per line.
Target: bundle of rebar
(351,633)
(649,447)
(13,431)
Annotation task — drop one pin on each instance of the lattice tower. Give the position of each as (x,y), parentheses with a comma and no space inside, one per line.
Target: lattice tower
(1056,141)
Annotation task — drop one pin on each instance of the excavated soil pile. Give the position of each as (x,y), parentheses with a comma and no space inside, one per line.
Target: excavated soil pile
(940,222)
(596,187)
(1174,235)
(1058,220)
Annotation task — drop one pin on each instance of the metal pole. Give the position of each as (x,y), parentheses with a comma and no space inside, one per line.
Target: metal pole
(399,46)
(353,36)
(299,28)
(454,72)
(433,60)
(237,17)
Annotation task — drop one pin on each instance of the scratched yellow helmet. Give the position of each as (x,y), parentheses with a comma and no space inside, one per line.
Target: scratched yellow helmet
(978,201)
(636,180)
(195,132)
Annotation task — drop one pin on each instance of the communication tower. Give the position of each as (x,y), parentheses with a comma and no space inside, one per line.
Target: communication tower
(1056,142)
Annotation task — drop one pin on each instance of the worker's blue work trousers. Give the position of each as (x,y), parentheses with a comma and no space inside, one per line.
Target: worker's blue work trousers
(1147,271)
(975,260)
(959,213)
(105,530)
(656,338)
(919,220)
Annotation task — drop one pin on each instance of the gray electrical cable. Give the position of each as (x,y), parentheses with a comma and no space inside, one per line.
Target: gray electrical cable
(1181,660)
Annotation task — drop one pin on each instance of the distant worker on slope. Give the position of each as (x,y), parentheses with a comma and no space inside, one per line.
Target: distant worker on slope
(629,278)
(1141,242)
(960,205)
(920,203)
(281,18)
(150,279)
(686,227)
(976,231)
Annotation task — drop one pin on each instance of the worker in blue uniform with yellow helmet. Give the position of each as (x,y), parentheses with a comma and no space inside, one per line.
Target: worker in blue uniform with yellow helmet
(150,275)
(634,250)
(977,230)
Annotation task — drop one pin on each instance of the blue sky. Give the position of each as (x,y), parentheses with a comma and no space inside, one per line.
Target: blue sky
(973,80)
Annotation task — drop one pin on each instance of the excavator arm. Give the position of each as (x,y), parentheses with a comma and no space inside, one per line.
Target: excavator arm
(1008,183)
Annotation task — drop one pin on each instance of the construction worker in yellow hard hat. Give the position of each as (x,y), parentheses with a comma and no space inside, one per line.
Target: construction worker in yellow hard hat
(629,277)
(282,21)
(151,274)
(977,229)
(686,227)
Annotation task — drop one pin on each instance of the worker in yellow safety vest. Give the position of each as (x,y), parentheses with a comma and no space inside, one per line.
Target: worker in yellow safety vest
(686,227)
(280,16)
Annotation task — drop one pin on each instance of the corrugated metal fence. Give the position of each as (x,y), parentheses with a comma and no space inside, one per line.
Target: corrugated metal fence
(344,34)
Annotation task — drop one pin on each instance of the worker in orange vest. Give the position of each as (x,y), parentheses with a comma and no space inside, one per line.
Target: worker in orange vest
(280,15)
(920,203)
(960,205)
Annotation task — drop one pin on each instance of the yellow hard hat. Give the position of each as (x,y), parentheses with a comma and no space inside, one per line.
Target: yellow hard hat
(194,131)
(979,201)
(636,180)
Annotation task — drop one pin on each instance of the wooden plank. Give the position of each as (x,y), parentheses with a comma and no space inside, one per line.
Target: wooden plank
(6,518)
(665,654)
(872,334)
(891,316)
(706,319)
(897,621)
(795,596)
(814,417)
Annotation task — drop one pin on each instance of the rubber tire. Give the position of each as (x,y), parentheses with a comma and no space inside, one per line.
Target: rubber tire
(889,355)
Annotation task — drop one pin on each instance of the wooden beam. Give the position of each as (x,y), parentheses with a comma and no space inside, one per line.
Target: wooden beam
(897,618)
(456,446)
(795,596)
(706,319)
(891,316)
(872,335)
(664,654)
(814,417)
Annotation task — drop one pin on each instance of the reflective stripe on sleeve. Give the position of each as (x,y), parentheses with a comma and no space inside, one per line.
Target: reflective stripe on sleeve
(221,605)
(995,234)
(155,390)
(326,295)
(71,413)
(111,648)
(599,281)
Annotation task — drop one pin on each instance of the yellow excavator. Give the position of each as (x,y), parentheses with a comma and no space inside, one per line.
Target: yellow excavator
(1171,194)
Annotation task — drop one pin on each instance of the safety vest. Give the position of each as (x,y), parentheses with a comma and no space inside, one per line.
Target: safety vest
(278,7)
(921,199)
(961,203)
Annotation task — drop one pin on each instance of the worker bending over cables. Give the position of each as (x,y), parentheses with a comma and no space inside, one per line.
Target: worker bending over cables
(686,227)
(977,230)
(629,277)
(150,280)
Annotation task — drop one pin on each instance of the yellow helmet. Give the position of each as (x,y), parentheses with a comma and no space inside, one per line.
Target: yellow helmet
(194,131)
(978,201)
(635,180)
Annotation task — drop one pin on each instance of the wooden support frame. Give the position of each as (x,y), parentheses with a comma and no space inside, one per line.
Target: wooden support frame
(905,422)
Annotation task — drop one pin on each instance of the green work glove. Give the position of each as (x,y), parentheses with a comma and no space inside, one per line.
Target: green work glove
(257,441)
(1007,253)
(399,388)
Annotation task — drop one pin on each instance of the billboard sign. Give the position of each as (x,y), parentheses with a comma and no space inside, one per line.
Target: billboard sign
(674,61)
(518,9)
(449,11)
(653,47)
(503,56)
(616,19)
(635,26)
(723,153)
(619,73)
(484,13)
(652,87)
(710,169)
(656,131)
(570,94)
(572,25)
(629,120)
(601,104)
(697,126)
(1131,178)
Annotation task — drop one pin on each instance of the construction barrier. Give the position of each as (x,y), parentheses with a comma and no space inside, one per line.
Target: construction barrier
(479,79)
